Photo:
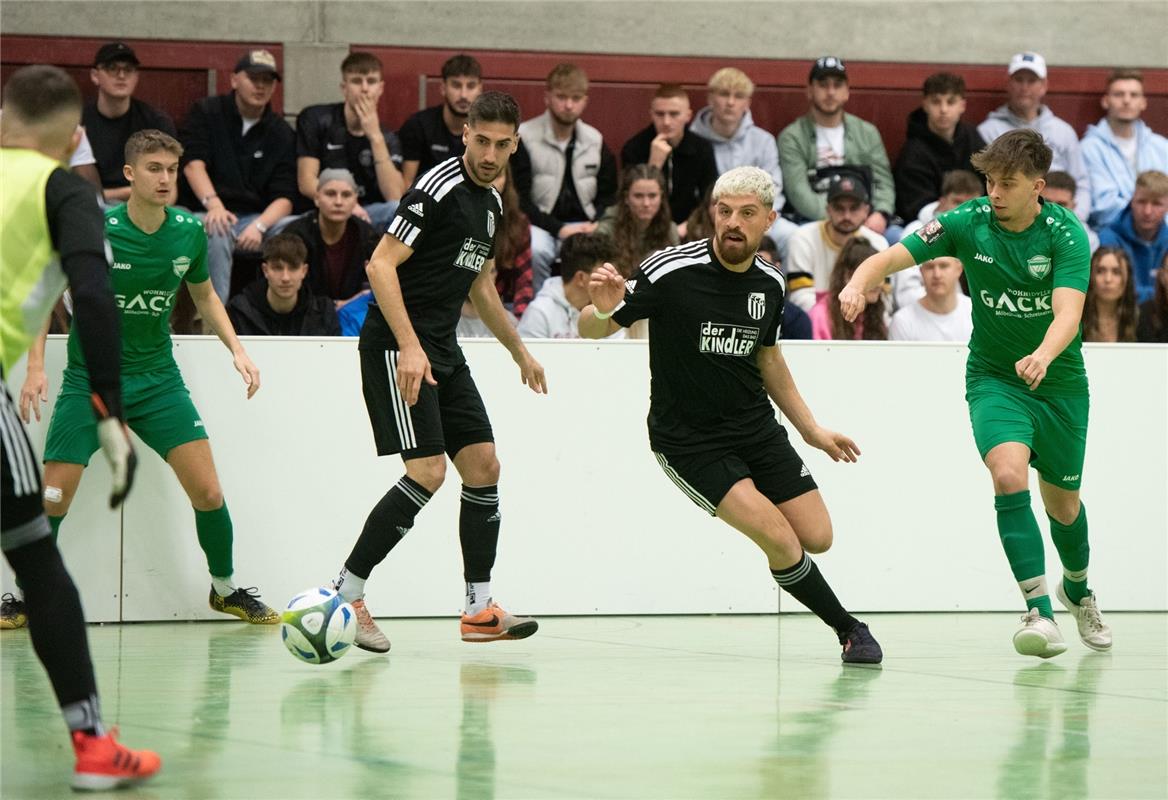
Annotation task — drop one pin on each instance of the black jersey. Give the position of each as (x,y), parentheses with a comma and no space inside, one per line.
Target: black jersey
(426,139)
(450,222)
(321,133)
(706,325)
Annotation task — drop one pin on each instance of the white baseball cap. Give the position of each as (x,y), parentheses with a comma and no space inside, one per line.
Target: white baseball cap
(1031,61)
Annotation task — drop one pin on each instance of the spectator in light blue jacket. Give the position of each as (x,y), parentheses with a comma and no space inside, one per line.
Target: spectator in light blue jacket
(1120,146)
(1025,90)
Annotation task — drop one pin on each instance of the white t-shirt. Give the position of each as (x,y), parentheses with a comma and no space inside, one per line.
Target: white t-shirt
(1127,147)
(914,323)
(829,146)
(810,251)
(84,153)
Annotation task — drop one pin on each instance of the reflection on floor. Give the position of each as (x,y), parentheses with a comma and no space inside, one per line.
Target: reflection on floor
(614,707)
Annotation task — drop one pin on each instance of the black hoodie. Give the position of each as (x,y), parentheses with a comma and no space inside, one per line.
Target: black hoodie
(252,315)
(924,160)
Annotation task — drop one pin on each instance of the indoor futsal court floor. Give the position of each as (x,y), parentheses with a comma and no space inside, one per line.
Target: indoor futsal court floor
(615,707)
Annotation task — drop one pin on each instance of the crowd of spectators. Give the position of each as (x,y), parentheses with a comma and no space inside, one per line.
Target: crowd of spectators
(333,182)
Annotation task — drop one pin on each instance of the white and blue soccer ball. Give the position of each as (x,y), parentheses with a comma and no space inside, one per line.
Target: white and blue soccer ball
(318,626)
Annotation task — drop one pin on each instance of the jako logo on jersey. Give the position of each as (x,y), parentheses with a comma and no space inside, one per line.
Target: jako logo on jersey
(985,258)
(473,255)
(416,208)
(727,340)
(149,302)
(756,305)
(121,265)
(1039,266)
(181,265)
(1021,304)
(1070,478)
(491,224)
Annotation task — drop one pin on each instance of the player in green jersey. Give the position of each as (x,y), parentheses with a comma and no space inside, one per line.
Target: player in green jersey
(155,250)
(1028,264)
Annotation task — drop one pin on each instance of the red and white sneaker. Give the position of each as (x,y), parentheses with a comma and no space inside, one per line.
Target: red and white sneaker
(103,763)
(493,623)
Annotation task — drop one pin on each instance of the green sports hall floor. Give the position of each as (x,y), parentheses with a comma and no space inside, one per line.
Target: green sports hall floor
(615,707)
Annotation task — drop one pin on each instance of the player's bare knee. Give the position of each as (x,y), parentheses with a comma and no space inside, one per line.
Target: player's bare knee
(820,539)
(1064,512)
(1009,478)
(207,498)
(429,472)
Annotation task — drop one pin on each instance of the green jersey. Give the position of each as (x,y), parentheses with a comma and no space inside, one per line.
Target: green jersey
(148,271)
(1012,277)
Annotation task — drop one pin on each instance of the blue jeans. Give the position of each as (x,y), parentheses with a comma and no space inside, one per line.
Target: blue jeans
(221,250)
(381,214)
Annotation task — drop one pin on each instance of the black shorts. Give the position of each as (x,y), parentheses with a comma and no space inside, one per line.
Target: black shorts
(21,507)
(446,418)
(769,460)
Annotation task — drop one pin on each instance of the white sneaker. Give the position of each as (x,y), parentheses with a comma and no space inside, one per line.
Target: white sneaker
(1094,632)
(369,636)
(1038,636)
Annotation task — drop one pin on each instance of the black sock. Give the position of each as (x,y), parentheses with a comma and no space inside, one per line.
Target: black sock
(806,584)
(388,522)
(56,624)
(478,530)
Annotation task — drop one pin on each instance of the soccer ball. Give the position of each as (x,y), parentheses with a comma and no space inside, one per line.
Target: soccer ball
(318,626)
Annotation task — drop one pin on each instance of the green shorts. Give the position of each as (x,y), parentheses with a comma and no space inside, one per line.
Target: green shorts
(158,409)
(1054,428)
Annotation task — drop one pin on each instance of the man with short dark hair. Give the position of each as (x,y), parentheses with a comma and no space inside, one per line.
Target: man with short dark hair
(1025,89)
(349,135)
(826,138)
(1028,266)
(1119,147)
(279,303)
(435,134)
(684,158)
(421,398)
(240,164)
(157,249)
(554,312)
(938,142)
(50,237)
(1060,189)
(115,114)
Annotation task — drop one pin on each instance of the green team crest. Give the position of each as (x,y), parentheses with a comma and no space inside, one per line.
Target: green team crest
(1039,266)
(182,264)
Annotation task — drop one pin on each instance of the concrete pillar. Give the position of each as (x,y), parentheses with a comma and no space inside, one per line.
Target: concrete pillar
(312,74)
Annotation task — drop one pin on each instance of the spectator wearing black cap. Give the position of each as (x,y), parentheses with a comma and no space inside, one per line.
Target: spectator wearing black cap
(813,147)
(240,164)
(815,246)
(116,114)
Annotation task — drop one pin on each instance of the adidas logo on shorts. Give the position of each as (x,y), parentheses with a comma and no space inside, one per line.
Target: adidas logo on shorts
(416,208)
(804,472)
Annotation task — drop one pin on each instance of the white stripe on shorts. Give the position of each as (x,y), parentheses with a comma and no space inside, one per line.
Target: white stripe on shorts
(401,409)
(690,491)
(21,462)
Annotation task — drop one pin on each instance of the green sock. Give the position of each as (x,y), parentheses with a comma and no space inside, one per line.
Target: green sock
(215,536)
(1022,542)
(55,524)
(1074,551)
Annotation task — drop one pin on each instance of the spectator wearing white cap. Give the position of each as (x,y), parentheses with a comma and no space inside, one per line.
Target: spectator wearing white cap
(1025,89)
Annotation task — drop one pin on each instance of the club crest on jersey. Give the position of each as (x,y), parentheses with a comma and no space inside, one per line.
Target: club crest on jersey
(491,224)
(181,265)
(1039,266)
(756,305)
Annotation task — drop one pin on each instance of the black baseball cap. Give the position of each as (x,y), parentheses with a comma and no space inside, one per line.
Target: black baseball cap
(828,67)
(113,52)
(847,186)
(258,61)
